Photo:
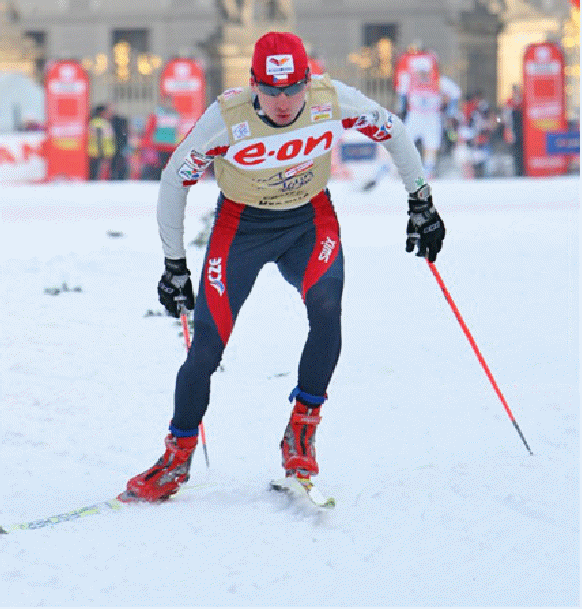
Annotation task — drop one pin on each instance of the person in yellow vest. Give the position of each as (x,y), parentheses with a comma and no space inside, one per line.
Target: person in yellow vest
(271,145)
(160,138)
(101,146)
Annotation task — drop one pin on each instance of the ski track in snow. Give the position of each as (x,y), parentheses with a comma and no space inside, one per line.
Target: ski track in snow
(438,501)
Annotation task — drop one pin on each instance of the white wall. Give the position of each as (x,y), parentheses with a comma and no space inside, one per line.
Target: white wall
(21,99)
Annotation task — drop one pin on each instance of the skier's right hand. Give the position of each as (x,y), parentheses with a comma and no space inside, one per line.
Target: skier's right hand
(175,287)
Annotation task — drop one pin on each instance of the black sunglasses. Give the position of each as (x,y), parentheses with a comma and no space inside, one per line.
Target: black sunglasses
(289,90)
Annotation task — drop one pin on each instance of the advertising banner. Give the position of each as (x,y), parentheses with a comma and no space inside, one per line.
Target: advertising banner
(563,142)
(22,157)
(67,113)
(544,108)
(184,81)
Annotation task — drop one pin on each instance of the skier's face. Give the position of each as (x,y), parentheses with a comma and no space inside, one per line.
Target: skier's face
(282,109)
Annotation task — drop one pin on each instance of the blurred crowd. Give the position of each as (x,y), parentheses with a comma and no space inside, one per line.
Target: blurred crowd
(485,141)
(121,149)
(476,140)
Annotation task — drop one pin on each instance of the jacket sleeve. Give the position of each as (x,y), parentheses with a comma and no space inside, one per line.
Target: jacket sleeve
(146,141)
(207,139)
(99,137)
(374,121)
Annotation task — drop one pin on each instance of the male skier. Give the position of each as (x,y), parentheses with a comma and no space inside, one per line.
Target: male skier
(419,84)
(271,147)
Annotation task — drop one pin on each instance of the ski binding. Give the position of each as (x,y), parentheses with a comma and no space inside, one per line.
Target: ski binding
(303,488)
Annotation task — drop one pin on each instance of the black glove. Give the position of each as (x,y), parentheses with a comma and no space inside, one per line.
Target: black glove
(425,227)
(175,287)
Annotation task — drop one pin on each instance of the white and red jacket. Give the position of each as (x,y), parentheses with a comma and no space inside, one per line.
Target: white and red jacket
(258,164)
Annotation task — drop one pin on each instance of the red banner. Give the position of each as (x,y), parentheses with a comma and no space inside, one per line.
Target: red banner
(315,66)
(67,119)
(544,107)
(184,81)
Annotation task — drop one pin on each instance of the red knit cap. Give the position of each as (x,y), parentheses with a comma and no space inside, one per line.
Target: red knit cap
(279,59)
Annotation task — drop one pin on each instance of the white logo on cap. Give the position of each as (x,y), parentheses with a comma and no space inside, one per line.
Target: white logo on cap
(280,64)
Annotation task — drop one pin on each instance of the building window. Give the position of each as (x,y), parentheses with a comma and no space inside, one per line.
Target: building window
(375,57)
(128,47)
(374,60)
(40,40)
(373,32)
(137,38)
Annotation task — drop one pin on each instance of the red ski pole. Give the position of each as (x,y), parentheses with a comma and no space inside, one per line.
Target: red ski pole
(476,350)
(186,331)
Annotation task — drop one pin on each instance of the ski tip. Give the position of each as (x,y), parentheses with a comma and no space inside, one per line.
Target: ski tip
(3,531)
(305,488)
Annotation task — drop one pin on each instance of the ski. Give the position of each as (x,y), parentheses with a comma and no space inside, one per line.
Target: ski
(304,488)
(288,485)
(101,507)
(89,510)
(373,182)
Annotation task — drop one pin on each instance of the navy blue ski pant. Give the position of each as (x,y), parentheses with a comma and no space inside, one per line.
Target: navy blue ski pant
(305,245)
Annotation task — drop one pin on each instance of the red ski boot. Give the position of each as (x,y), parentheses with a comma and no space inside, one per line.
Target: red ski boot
(298,444)
(164,478)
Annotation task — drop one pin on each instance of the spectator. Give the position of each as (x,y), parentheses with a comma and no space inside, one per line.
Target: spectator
(101,146)
(482,123)
(119,162)
(513,127)
(160,137)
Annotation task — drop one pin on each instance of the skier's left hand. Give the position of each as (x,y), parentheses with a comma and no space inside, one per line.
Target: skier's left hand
(425,227)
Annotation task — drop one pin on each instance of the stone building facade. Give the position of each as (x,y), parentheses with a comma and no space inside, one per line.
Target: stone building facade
(124,45)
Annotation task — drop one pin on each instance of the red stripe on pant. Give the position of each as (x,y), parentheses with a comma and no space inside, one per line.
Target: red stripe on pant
(327,241)
(215,284)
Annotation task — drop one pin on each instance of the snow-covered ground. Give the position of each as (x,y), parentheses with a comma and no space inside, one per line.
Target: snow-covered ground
(438,501)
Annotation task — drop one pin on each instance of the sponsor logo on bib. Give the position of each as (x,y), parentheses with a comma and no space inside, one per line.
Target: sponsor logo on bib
(292,148)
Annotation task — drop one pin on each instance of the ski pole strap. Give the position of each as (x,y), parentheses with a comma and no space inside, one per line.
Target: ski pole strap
(308,398)
(183,433)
